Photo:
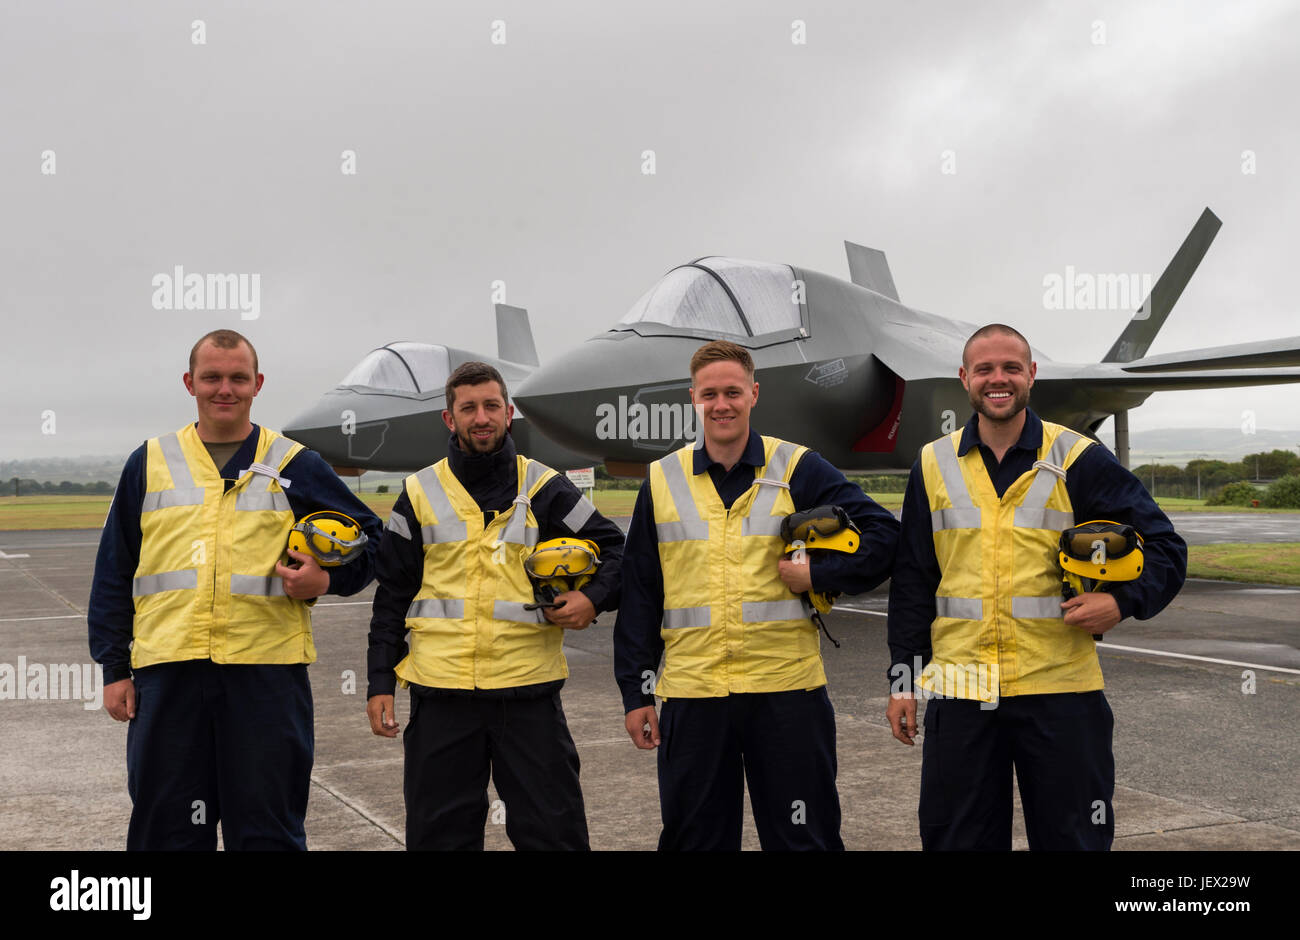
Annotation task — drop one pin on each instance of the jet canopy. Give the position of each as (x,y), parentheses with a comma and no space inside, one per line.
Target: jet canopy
(714,298)
(402,369)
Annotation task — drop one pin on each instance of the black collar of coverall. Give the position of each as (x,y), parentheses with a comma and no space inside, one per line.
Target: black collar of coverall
(1031,435)
(752,456)
(491,479)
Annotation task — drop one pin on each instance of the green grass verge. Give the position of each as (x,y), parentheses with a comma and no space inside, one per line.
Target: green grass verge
(1179,504)
(1267,563)
(52,511)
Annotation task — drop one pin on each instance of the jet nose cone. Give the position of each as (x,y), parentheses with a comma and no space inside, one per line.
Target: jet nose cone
(341,428)
(572,398)
(320,425)
(560,397)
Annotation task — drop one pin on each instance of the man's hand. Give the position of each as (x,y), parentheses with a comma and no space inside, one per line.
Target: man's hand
(574,611)
(383,720)
(901,713)
(643,727)
(1093,612)
(796,575)
(119,699)
(305,581)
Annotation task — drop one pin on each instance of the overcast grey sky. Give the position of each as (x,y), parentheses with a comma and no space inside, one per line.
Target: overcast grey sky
(521,161)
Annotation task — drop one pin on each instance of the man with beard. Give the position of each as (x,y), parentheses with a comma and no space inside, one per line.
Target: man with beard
(976,617)
(484,672)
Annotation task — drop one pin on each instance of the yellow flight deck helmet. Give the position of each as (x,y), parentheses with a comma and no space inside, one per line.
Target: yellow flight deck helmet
(1097,553)
(824,529)
(1102,550)
(333,538)
(560,565)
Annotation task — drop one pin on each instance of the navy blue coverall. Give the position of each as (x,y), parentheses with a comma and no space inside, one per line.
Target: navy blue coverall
(210,742)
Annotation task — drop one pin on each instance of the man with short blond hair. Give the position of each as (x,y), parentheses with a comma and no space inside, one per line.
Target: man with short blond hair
(706,588)
(203,630)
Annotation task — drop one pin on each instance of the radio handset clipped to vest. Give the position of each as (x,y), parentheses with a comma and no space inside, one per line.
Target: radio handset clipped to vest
(1094,555)
(823,529)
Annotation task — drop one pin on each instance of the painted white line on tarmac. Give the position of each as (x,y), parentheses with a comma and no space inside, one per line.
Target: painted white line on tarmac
(1135,649)
(1203,659)
(377,823)
(61,617)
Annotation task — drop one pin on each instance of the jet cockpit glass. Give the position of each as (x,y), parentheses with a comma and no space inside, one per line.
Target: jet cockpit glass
(720,297)
(402,368)
(688,297)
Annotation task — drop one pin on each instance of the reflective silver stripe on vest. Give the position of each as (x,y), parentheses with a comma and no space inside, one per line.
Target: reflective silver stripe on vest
(1042,608)
(262,585)
(691,527)
(518,531)
(161,499)
(257,494)
(760,520)
(1055,519)
(954,519)
(509,610)
(761,611)
(1030,514)
(577,518)
(959,608)
(183,491)
(440,608)
(397,523)
(449,527)
(143,586)
(682,531)
(964,513)
(251,502)
(682,617)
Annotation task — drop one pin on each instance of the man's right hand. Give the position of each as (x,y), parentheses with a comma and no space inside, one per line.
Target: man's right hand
(901,713)
(646,738)
(383,721)
(119,699)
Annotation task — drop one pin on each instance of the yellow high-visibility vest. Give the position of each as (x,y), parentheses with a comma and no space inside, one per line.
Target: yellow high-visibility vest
(730,624)
(206,586)
(469,629)
(999,627)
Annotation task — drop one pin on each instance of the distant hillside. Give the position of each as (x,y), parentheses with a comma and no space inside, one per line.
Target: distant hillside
(1179,445)
(1166,445)
(92,469)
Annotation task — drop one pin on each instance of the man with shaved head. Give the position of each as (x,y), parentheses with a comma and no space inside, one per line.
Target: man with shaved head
(977,621)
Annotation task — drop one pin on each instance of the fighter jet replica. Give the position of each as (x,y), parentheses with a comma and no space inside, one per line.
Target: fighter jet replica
(848,369)
(386,414)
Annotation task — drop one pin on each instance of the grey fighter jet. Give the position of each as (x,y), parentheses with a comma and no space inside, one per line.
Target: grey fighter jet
(386,414)
(846,368)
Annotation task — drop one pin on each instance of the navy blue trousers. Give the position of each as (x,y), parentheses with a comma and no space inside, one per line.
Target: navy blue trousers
(782,743)
(453,742)
(1060,746)
(213,743)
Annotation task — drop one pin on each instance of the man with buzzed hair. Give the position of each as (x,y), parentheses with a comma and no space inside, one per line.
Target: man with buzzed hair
(976,603)
(203,630)
(707,588)
(484,671)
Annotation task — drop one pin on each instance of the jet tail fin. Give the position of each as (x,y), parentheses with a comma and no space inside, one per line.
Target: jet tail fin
(868,268)
(1141,331)
(515,336)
